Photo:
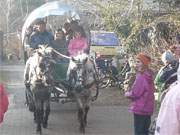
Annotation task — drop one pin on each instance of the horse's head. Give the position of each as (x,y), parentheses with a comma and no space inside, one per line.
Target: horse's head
(82,71)
(77,70)
(42,66)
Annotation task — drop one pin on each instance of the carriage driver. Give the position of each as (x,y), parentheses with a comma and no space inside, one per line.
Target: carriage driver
(40,36)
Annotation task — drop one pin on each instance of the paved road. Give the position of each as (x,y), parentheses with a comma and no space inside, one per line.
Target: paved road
(102,119)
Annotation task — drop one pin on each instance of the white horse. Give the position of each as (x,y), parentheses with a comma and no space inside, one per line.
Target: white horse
(82,77)
(39,79)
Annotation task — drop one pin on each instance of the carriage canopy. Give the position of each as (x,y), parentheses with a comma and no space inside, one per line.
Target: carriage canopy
(55,8)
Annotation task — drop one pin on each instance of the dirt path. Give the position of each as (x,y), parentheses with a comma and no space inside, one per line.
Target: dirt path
(108,114)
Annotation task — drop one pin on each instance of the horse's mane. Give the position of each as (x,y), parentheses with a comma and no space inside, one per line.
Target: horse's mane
(81,56)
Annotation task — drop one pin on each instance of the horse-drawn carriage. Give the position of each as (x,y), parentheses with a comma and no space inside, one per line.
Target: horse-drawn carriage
(48,80)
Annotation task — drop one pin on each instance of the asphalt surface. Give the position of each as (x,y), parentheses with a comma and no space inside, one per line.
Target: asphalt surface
(103,118)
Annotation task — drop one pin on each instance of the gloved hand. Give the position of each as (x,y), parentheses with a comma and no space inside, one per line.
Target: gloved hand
(127,94)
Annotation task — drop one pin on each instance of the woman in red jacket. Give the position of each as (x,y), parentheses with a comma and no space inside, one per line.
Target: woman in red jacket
(3,102)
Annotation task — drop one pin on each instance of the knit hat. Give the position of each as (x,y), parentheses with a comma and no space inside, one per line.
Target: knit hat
(144,58)
(167,57)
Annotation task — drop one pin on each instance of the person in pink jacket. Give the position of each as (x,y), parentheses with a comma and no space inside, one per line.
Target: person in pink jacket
(168,120)
(3,102)
(78,43)
(141,94)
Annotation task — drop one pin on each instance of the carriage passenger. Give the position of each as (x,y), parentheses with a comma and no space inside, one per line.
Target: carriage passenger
(78,43)
(70,28)
(40,36)
(68,31)
(59,43)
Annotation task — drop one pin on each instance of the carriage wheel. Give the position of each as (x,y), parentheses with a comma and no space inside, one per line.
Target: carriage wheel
(94,92)
(104,82)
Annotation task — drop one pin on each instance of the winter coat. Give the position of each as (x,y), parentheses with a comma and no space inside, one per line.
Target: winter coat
(60,46)
(76,45)
(37,38)
(142,94)
(168,121)
(3,102)
(157,81)
(168,74)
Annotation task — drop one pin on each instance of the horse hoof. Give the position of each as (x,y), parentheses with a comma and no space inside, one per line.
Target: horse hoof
(31,108)
(44,125)
(82,130)
(85,123)
(38,132)
(35,121)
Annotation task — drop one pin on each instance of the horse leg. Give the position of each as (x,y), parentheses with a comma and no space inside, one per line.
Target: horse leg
(27,98)
(39,115)
(83,105)
(35,116)
(85,116)
(81,120)
(87,100)
(47,112)
(80,115)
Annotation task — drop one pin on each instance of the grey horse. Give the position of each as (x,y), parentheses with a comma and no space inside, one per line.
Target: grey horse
(82,78)
(39,80)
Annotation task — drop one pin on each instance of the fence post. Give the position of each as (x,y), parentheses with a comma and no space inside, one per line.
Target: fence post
(1,45)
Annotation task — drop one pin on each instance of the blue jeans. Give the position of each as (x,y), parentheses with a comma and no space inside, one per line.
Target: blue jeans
(141,124)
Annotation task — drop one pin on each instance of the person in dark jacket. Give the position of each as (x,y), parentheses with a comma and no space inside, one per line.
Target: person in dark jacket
(59,43)
(168,73)
(168,120)
(40,36)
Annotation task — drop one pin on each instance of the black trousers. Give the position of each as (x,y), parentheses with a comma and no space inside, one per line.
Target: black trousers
(141,124)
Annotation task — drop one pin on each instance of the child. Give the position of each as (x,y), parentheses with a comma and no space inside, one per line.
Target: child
(3,102)
(78,43)
(141,94)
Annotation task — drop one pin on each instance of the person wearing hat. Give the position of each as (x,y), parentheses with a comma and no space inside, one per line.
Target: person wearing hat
(167,74)
(167,57)
(141,94)
(40,36)
(168,120)
(78,43)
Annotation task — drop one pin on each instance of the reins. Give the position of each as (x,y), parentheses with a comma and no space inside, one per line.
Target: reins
(67,57)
